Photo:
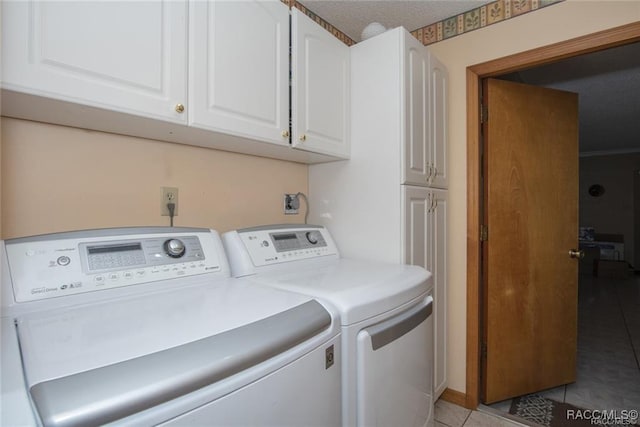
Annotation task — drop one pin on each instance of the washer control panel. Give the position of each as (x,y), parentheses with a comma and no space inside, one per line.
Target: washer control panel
(271,246)
(71,263)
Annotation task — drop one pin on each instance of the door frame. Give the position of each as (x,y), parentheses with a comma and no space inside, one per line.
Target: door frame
(613,37)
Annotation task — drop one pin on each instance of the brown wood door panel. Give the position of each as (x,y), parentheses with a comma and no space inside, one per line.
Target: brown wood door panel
(531,210)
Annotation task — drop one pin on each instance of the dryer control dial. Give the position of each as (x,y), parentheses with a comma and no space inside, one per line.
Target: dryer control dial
(313,237)
(174,248)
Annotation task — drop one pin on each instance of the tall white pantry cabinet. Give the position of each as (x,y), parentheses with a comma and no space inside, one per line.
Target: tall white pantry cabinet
(389,201)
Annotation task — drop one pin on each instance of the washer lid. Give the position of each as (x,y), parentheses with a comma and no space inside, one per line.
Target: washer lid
(63,342)
(358,289)
(96,364)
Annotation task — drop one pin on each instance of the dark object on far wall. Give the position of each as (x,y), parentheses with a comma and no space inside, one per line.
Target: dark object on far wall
(596,190)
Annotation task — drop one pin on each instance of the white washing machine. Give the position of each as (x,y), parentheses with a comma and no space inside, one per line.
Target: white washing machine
(144,326)
(385,309)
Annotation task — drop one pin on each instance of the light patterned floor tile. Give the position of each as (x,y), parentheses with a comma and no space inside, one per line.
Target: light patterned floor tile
(481,419)
(450,414)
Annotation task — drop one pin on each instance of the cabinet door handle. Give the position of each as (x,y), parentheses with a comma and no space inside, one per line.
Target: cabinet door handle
(180,108)
(303,137)
(433,203)
(285,134)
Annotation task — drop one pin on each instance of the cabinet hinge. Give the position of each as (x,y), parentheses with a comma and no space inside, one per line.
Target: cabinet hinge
(484,113)
(484,233)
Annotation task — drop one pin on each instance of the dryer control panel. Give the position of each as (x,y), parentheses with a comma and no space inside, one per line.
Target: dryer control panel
(70,263)
(261,246)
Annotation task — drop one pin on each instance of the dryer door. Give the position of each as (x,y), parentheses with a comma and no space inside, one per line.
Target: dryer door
(395,369)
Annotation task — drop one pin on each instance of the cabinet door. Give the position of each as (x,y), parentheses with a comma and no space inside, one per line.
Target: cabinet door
(416,226)
(239,68)
(438,123)
(437,236)
(124,56)
(425,244)
(320,89)
(417,146)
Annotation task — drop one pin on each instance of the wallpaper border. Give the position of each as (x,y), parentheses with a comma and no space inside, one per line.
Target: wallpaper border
(474,19)
(480,17)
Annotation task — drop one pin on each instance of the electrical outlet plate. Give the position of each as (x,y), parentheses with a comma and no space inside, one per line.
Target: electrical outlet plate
(169,195)
(291,204)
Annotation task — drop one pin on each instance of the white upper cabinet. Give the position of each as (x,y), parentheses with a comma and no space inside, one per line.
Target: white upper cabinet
(320,89)
(425,146)
(239,68)
(208,73)
(124,56)
(417,103)
(438,123)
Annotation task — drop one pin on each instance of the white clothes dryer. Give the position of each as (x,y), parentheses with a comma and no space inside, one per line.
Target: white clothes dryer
(144,326)
(385,311)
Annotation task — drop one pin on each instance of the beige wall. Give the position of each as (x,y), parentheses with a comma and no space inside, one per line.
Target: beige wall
(552,24)
(56,178)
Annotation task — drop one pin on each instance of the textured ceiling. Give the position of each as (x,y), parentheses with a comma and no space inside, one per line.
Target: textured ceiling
(352,16)
(608,85)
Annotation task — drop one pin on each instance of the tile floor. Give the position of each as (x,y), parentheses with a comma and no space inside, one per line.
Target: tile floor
(450,415)
(608,347)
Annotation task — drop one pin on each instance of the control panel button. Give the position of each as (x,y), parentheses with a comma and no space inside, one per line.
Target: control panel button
(63,260)
(174,248)
(313,237)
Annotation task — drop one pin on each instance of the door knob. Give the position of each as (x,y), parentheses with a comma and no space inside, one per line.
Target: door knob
(579,254)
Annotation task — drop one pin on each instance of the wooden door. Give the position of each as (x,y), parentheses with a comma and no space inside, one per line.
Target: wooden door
(239,68)
(531,210)
(320,113)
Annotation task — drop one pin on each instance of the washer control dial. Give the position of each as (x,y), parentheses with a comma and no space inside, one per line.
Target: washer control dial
(174,248)
(313,237)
